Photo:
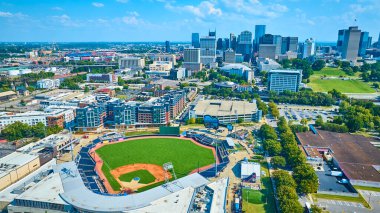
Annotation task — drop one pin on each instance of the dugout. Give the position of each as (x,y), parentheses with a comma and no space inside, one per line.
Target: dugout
(169,130)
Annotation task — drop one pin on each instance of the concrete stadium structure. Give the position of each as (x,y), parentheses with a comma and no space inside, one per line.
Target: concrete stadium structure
(75,187)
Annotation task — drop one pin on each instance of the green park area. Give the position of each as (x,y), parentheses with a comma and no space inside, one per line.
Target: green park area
(260,201)
(144,176)
(328,79)
(184,154)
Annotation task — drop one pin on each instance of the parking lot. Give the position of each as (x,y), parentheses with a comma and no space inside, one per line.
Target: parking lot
(330,183)
(309,114)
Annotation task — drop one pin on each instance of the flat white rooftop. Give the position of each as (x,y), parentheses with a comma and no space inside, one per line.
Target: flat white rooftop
(224,108)
(47,190)
(8,195)
(13,161)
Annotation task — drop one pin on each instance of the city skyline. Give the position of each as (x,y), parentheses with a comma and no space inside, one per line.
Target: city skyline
(160,20)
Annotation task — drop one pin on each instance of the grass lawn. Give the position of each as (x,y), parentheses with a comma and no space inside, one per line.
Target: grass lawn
(330,71)
(257,199)
(145,176)
(344,86)
(184,154)
(359,199)
(367,188)
(140,133)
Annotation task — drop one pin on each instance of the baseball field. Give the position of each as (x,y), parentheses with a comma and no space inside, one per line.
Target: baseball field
(136,164)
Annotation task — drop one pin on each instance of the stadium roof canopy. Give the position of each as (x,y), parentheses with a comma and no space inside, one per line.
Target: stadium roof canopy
(77,195)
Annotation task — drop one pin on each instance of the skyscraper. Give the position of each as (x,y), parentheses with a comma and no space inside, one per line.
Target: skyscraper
(339,45)
(195,40)
(208,49)
(289,44)
(245,45)
(226,44)
(364,43)
(277,39)
(259,32)
(308,48)
(212,33)
(219,44)
(192,59)
(167,46)
(351,42)
(233,41)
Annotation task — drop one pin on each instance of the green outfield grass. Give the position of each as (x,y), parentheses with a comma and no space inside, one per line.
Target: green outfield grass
(144,175)
(184,154)
(344,86)
(128,134)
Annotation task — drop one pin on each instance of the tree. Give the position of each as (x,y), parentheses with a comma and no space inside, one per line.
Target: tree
(273,147)
(240,120)
(278,162)
(86,89)
(120,81)
(282,177)
(318,65)
(306,179)
(319,121)
(315,209)
(167,88)
(273,109)
(304,121)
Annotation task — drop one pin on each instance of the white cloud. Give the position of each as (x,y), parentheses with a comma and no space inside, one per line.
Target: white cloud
(131,20)
(5,14)
(205,8)
(134,13)
(57,8)
(66,21)
(122,1)
(97,4)
(9,14)
(257,8)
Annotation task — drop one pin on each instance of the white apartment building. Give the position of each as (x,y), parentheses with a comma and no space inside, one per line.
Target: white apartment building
(131,62)
(48,83)
(161,66)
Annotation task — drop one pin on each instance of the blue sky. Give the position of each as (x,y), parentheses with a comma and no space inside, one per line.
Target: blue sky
(175,20)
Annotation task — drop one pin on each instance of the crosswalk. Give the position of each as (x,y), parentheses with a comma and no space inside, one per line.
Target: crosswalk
(370,193)
(342,203)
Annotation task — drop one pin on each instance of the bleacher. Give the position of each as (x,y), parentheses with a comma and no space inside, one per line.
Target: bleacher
(202,139)
(221,152)
(86,168)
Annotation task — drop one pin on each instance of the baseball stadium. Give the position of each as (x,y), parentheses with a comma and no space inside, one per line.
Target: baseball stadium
(141,173)
(138,164)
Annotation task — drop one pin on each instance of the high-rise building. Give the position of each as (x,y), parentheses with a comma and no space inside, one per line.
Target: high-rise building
(259,32)
(192,55)
(364,43)
(219,44)
(233,41)
(284,80)
(267,39)
(195,40)
(208,49)
(245,45)
(192,59)
(308,48)
(267,51)
(167,46)
(339,45)
(226,44)
(277,39)
(350,48)
(289,44)
(230,56)
(212,33)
